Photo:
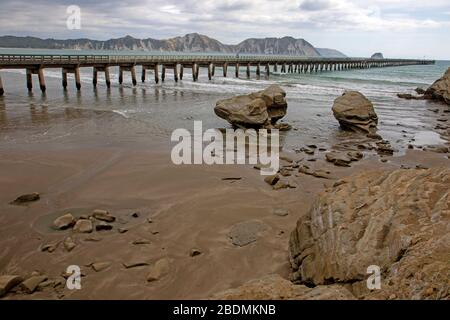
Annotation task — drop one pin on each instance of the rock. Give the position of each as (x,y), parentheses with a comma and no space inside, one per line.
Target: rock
(25,198)
(397,220)
(63,222)
(272,180)
(135,214)
(282,126)
(338,159)
(286,158)
(419,90)
(122,230)
(103,215)
(49,247)
(232,178)
(280,185)
(83,226)
(256,110)
(7,282)
(377,55)
(375,136)
(285,172)
(440,89)
(355,112)
(244,233)
(384,147)
(30,284)
(69,244)
(355,155)
(274,287)
(195,252)
(409,96)
(100,266)
(134,264)
(315,173)
(158,270)
(141,241)
(280,212)
(437,149)
(103,226)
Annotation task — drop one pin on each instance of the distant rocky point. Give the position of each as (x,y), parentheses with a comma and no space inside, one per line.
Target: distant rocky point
(377,55)
(192,42)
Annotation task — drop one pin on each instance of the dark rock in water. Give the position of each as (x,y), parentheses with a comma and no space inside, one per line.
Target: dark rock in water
(409,96)
(355,112)
(420,90)
(377,55)
(30,197)
(440,89)
(7,282)
(261,109)
(246,232)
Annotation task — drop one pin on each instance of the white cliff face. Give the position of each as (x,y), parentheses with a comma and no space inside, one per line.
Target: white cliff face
(193,42)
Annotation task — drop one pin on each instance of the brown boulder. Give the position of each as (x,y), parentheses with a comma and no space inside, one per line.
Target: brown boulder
(355,112)
(261,109)
(397,220)
(274,287)
(440,89)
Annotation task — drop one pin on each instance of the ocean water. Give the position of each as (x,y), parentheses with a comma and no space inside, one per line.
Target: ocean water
(149,110)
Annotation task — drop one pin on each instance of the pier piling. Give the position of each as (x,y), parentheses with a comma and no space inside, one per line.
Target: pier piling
(2,91)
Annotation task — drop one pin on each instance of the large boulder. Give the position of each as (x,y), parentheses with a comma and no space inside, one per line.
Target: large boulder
(355,112)
(440,89)
(260,109)
(397,220)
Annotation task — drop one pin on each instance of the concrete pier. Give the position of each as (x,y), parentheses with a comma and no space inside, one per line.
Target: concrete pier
(36,64)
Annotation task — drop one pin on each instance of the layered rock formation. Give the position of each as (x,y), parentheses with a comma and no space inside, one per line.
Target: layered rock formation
(261,109)
(396,220)
(440,89)
(355,112)
(274,287)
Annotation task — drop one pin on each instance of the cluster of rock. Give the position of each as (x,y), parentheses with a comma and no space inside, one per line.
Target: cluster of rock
(438,91)
(85,224)
(260,109)
(395,220)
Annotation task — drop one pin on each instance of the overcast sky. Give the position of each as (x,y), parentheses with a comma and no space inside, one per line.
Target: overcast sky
(398,28)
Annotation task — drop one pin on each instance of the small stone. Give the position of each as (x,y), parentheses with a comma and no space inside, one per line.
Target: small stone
(355,155)
(158,270)
(141,241)
(103,226)
(149,220)
(100,266)
(103,215)
(154,232)
(286,158)
(195,252)
(7,282)
(244,233)
(30,285)
(50,247)
(63,222)
(280,212)
(134,264)
(280,185)
(69,244)
(135,214)
(83,226)
(45,284)
(231,178)
(285,172)
(272,180)
(30,197)
(122,230)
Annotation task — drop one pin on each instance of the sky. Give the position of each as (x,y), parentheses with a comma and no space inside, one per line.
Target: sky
(397,28)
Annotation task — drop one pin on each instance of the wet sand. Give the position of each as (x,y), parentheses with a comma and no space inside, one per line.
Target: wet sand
(190,206)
